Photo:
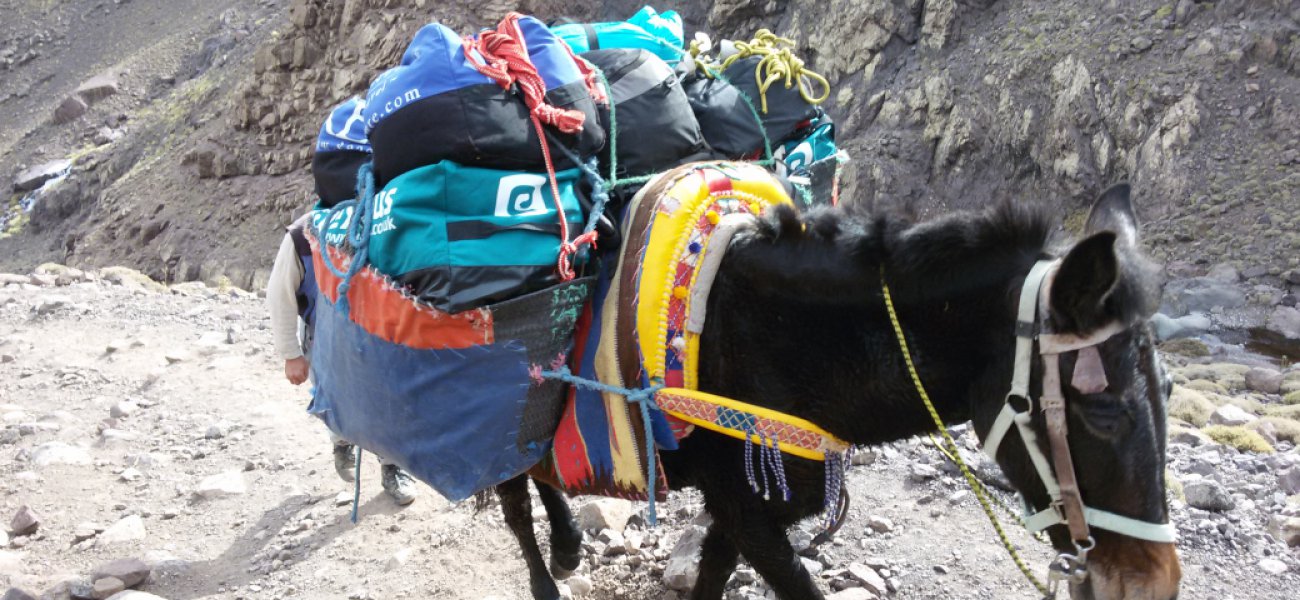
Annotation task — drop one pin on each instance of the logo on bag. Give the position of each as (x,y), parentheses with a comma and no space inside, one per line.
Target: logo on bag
(381,213)
(801,156)
(520,195)
(351,130)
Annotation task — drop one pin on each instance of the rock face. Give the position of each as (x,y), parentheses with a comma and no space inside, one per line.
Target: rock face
(955,104)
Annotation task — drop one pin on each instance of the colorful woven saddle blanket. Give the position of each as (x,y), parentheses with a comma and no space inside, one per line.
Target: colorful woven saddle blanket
(648,313)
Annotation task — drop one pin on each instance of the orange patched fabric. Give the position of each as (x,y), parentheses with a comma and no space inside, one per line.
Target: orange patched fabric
(385,312)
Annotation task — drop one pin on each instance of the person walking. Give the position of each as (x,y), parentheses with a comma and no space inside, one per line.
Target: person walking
(291,290)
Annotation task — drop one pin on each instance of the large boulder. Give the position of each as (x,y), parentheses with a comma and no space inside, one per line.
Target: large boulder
(97,88)
(34,177)
(1207,494)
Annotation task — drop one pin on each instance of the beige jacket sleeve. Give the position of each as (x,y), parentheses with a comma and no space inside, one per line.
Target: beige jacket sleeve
(282,300)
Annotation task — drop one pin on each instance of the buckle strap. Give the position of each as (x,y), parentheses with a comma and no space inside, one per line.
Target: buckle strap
(1001,425)
(1027,324)
(1162,533)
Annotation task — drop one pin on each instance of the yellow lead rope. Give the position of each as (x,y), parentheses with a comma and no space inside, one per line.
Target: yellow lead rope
(951,445)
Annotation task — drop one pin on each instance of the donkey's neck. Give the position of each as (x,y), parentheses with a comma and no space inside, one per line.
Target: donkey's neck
(802,328)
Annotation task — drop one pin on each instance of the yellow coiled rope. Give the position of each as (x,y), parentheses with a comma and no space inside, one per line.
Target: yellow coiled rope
(778,64)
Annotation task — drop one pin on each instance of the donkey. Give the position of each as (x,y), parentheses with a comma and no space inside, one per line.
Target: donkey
(798,324)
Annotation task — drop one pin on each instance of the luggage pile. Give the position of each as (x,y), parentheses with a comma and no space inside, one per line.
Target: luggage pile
(492,165)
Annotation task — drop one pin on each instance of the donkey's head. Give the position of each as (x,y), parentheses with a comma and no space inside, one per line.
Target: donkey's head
(1091,406)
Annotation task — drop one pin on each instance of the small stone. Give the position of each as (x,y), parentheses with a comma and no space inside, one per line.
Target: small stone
(222,485)
(83,533)
(135,595)
(106,587)
(123,409)
(605,513)
(1231,415)
(18,594)
(869,578)
(1273,566)
(115,346)
(880,524)
(862,457)
(345,498)
(129,529)
(25,522)
(59,453)
(1289,481)
(131,571)
(920,472)
(70,109)
(940,569)
(129,474)
(397,560)
(1141,43)
(855,593)
(614,542)
(1207,494)
(579,585)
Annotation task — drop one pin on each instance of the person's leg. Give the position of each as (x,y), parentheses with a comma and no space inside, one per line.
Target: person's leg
(398,484)
(345,458)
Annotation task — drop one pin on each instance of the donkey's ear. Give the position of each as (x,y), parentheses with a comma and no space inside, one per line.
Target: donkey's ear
(1113,211)
(1086,278)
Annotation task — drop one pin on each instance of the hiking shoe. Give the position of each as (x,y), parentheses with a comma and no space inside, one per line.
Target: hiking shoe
(399,485)
(345,462)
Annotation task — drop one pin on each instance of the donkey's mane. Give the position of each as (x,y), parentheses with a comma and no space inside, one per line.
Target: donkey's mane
(815,253)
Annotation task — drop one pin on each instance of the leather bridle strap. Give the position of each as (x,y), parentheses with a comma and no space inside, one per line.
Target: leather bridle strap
(1058,429)
(1066,505)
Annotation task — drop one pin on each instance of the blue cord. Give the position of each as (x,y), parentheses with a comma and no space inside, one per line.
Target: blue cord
(645,398)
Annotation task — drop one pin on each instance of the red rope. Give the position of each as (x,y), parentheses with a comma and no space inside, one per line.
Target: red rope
(504,59)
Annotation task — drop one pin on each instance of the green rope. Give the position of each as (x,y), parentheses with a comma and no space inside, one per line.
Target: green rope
(778,63)
(951,445)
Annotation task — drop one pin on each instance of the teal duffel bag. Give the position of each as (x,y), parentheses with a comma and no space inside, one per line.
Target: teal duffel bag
(459,237)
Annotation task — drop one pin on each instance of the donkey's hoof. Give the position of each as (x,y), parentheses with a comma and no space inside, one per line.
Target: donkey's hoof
(563,566)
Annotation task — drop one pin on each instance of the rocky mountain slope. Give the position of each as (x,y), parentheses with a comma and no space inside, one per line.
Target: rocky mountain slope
(191,167)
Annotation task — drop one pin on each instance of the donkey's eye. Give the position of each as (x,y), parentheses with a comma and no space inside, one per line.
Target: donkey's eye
(1104,414)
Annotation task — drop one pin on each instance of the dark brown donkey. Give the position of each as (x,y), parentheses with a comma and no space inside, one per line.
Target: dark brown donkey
(797,323)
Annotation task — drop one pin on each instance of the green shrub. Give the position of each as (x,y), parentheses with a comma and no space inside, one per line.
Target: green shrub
(1283,428)
(1190,405)
(1240,438)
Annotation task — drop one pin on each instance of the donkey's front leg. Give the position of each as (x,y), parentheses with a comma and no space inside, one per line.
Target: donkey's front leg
(717,561)
(517,507)
(764,544)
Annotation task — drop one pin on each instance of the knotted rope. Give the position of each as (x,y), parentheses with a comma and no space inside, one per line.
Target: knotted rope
(645,399)
(358,233)
(502,55)
(778,64)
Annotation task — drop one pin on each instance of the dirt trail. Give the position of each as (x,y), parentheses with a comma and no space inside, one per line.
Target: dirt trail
(127,399)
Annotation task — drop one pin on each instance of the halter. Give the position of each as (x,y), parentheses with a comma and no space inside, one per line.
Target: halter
(1066,506)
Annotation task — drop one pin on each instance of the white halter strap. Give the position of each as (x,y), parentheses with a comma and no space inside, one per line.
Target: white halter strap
(1027,331)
